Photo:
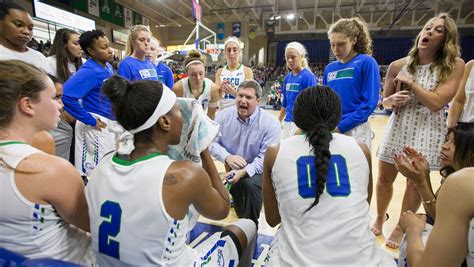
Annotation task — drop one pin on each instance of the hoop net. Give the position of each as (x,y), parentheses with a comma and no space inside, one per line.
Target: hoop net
(213,52)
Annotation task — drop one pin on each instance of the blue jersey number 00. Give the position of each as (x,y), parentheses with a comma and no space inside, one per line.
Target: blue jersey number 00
(110,227)
(337,179)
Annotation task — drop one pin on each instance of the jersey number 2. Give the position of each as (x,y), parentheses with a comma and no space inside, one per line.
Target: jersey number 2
(110,227)
(337,179)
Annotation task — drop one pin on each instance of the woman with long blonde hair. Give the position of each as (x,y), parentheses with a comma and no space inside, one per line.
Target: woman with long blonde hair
(232,74)
(135,66)
(300,77)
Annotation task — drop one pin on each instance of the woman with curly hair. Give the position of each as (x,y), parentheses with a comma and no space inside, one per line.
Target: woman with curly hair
(354,76)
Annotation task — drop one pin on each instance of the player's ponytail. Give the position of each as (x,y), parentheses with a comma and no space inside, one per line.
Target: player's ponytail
(133,102)
(317,112)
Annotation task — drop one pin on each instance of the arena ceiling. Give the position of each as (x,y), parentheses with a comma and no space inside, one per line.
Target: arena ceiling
(310,15)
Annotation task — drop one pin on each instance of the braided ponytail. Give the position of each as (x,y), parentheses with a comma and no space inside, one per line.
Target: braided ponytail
(319,138)
(317,111)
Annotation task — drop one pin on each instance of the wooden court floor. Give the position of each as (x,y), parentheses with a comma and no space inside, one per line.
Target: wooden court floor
(377,123)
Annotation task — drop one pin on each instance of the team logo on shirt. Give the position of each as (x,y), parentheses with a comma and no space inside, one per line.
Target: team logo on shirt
(161,78)
(147,73)
(341,74)
(220,258)
(292,87)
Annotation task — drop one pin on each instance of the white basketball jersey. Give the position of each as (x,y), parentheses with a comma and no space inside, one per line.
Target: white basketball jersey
(235,78)
(336,231)
(129,222)
(204,98)
(31,229)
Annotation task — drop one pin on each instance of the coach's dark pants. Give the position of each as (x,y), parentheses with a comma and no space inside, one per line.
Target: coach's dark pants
(247,196)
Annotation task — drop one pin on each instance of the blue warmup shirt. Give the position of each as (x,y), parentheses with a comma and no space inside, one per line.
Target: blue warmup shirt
(292,86)
(357,83)
(165,75)
(133,69)
(85,85)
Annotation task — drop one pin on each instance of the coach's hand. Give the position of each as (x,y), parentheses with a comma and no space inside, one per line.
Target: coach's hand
(238,174)
(236,162)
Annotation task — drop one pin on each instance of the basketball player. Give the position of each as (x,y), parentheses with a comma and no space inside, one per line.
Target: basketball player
(92,139)
(16,31)
(197,86)
(299,78)
(135,66)
(232,74)
(140,200)
(355,77)
(319,227)
(41,194)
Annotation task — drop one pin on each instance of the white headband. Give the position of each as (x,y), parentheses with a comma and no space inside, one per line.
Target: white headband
(233,40)
(298,47)
(193,62)
(167,101)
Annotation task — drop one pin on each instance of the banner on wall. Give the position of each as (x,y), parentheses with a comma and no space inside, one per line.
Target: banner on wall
(196,10)
(220,31)
(111,12)
(93,7)
(128,17)
(270,28)
(236,29)
(137,19)
(146,21)
(252,32)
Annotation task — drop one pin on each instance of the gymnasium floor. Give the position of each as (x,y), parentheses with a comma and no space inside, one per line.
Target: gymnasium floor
(266,232)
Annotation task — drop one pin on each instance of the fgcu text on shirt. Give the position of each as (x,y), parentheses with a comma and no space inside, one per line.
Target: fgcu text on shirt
(133,69)
(357,83)
(292,85)
(235,78)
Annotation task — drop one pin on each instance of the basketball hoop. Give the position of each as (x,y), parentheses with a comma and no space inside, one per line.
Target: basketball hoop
(213,52)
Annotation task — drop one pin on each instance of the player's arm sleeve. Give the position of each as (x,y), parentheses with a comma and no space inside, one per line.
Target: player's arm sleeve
(75,88)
